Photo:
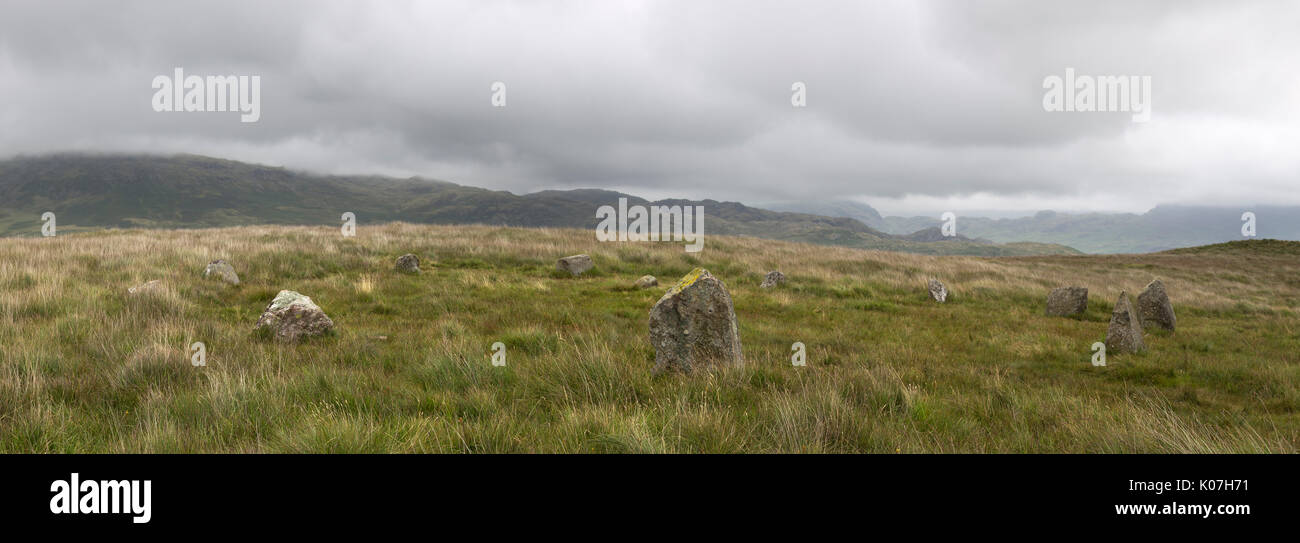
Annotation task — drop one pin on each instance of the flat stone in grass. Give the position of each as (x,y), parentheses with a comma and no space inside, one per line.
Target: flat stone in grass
(155,286)
(407,263)
(772,279)
(220,269)
(576,264)
(1067,301)
(1124,335)
(646,281)
(292,316)
(693,326)
(938,292)
(1154,307)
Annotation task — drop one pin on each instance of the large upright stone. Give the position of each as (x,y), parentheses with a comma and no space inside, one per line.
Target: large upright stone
(292,316)
(1124,335)
(575,264)
(693,326)
(938,292)
(1067,301)
(220,269)
(1154,307)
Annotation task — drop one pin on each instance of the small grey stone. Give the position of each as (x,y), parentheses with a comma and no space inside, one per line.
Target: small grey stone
(407,263)
(938,292)
(1067,301)
(576,264)
(1124,335)
(772,279)
(693,326)
(220,269)
(1154,307)
(646,281)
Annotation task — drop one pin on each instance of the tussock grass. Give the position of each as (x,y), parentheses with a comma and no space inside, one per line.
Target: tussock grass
(84,367)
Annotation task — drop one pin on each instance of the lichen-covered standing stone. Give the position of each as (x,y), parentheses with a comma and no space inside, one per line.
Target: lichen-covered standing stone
(772,279)
(575,264)
(407,263)
(1154,307)
(1067,301)
(693,326)
(1124,335)
(291,316)
(938,291)
(220,269)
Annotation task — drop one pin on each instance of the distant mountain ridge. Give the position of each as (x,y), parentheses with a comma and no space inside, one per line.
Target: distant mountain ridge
(190,191)
(1162,228)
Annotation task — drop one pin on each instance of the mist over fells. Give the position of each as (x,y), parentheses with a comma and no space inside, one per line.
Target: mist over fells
(96,191)
(912,106)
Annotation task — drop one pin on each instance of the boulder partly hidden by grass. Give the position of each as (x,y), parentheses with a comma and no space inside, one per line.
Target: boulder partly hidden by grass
(292,316)
(1067,301)
(646,281)
(772,279)
(407,263)
(576,264)
(220,269)
(693,326)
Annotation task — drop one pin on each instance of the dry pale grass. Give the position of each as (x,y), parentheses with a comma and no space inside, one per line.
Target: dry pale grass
(88,368)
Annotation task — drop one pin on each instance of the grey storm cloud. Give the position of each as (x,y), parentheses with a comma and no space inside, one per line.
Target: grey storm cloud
(909,103)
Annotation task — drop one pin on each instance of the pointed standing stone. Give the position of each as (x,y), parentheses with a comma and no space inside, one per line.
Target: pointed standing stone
(1154,307)
(693,326)
(1124,335)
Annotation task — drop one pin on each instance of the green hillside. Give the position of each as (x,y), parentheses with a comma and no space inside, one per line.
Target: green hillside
(114,191)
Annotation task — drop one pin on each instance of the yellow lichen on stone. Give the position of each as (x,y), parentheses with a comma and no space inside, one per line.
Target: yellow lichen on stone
(688,280)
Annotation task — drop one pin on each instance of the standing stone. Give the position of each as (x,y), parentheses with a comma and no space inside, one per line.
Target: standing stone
(1154,307)
(773,279)
(220,269)
(646,281)
(407,263)
(1067,301)
(291,316)
(937,291)
(575,264)
(1124,335)
(693,326)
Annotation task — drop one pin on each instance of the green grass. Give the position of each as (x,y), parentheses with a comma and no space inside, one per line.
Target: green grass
(87,368)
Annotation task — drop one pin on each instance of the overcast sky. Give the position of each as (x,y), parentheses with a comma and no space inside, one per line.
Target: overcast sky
(913,107)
